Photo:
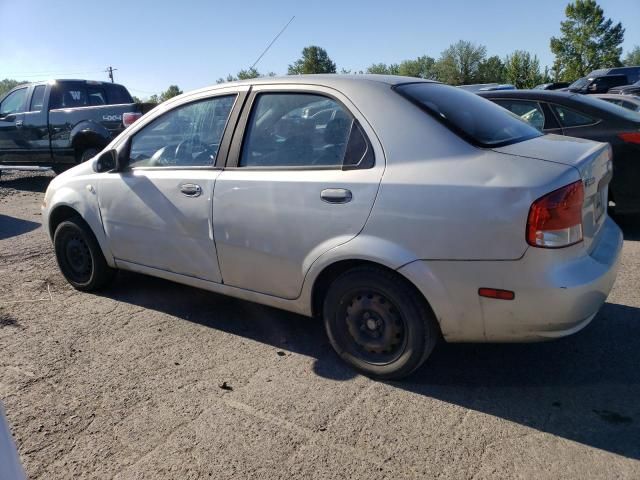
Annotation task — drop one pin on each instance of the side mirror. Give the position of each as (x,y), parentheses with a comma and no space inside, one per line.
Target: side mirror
(106,161)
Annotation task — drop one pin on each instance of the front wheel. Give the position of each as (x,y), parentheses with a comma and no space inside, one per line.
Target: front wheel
(79,256)
(378,323)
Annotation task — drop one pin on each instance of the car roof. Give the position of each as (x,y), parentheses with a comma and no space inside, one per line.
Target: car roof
(615,96)
(331,80)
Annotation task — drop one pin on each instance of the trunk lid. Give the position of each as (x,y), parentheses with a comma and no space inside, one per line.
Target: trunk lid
(593,162)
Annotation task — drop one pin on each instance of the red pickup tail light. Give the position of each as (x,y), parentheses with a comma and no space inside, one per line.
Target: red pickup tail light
(129,118)
(630,137)
(555,220)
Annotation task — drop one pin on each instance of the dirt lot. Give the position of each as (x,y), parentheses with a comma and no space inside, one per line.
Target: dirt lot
(127,384)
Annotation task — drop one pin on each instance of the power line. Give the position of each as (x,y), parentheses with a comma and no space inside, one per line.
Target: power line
(272,42)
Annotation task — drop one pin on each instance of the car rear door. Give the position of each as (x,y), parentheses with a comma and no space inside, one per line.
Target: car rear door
(302,176)
(156,212)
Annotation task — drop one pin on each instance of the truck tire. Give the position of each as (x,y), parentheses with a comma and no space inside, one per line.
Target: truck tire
(87,153)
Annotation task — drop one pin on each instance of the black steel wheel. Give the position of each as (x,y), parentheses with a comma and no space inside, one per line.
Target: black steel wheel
(378,323)
(79,256)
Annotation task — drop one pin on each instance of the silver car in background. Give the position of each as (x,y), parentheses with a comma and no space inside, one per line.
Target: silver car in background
(400,211)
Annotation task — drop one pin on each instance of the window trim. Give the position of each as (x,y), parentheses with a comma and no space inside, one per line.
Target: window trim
(24,100)
(235,150)
(223,148)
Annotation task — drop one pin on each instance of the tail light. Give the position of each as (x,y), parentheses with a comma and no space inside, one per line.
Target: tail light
(555,220)
(630,137)
(130,117)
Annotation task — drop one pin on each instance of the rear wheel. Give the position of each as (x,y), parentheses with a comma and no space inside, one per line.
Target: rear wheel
(378,323)
(79,256)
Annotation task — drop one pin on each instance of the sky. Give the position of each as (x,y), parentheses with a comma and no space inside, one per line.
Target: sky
(191,43)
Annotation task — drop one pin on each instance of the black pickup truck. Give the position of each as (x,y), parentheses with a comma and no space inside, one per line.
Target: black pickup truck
(60,123)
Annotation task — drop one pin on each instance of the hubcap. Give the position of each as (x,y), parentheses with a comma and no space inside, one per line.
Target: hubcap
(375,326)
(78,258)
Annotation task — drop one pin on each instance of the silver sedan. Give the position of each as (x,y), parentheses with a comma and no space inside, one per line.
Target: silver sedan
(400,211)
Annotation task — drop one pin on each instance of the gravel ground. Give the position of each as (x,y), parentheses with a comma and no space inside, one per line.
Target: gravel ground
(151,379)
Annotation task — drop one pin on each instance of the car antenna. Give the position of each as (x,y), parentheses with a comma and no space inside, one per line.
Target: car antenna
(272,42)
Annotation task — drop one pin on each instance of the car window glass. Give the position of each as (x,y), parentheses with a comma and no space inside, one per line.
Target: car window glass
(531,112)
(571,118)
(470,116)
(73,96)
(14,102)
(117,94)
(37,99)
(186,136)
(300,130)
(96,96)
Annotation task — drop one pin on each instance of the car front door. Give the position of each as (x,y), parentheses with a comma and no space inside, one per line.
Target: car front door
(303,172)
(156,211)
(12,144)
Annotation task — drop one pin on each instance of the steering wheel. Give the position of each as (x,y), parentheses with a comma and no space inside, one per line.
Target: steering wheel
(184,150)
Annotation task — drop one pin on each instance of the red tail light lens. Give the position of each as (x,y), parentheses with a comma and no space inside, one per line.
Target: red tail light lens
(555,220)
(630,137)
(129,118)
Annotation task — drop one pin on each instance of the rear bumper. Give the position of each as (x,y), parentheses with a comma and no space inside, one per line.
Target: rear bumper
(557,292)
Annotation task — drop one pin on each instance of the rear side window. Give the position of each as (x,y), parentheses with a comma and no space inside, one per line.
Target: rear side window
(303,130)
(96,96)
(117,94)
(571,118)
(474,118)
(37,99)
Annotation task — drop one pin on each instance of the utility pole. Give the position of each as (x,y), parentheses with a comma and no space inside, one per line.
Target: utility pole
(110,71)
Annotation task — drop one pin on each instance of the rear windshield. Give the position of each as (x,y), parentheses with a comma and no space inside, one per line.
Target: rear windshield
(472,117)
(608,107)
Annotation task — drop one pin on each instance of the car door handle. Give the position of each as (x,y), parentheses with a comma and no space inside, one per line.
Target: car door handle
(190,189)
(18,123)
(336,195)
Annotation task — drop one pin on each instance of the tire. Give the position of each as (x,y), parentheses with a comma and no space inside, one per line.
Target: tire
(87,154)
(79,256)
(378,323)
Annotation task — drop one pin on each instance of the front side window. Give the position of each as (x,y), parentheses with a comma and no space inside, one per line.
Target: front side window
(531,112)
(571,118)
(37,99)
(187,136)
(14,103)
(303,130)
(472,117)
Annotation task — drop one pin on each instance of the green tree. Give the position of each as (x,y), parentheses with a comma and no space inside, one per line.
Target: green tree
(491,70)
(172,91)
(384,69)
(588,41)
(633,57)
(522,69)
(247,74)
(154,98)
(314,60)
(459,64)
(421,67)
(7,84)
(136,99)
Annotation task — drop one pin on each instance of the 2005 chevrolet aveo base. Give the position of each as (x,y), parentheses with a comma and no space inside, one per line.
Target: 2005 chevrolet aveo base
(400,211)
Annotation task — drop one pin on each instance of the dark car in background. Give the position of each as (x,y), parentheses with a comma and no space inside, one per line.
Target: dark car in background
(60,123)
(630,102)
(633,89)
(552,86)
(585,116)
(632,73)
(598,83)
